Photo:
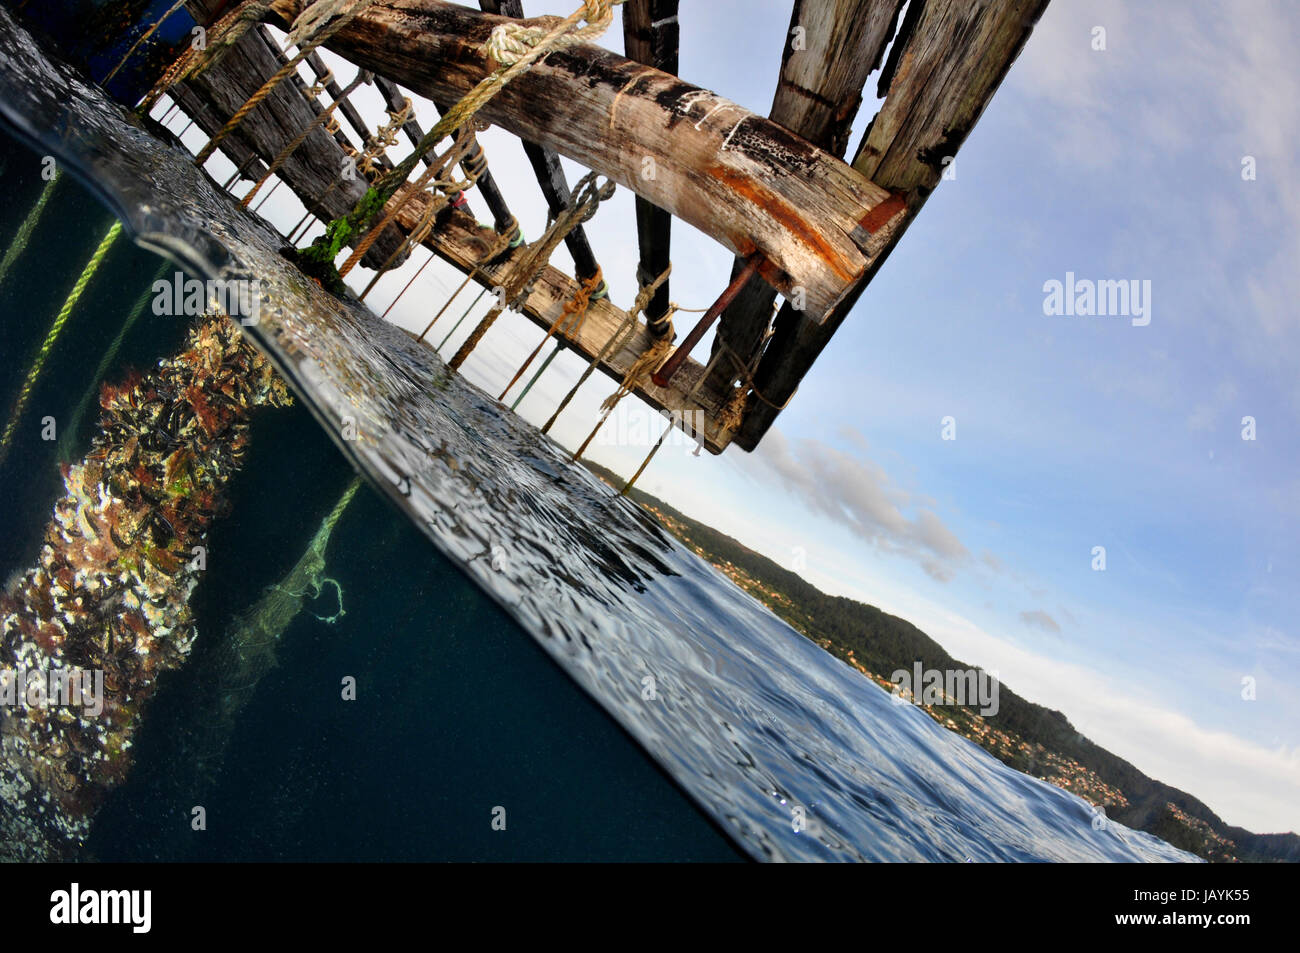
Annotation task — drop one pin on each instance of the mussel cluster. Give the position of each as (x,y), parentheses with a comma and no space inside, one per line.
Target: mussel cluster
(111,589)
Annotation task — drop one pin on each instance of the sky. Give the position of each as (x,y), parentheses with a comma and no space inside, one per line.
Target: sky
(1167,157)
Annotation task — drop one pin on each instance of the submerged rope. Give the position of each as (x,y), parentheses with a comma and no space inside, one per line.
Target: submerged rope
(74,422)
(34,374)
(24,233)
(143,39)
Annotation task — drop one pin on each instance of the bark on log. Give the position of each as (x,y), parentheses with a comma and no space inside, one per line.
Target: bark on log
(742,179)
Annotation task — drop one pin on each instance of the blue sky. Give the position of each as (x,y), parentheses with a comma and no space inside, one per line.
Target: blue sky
(1071,432)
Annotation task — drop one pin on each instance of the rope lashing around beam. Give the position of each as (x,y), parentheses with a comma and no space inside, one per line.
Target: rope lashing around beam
(221,38)
(583,202)
(385,136)
(618,340)
(447,160)
(322,117)
(506,41)
(732,413)
(351,9)
(572,317)
(503,241)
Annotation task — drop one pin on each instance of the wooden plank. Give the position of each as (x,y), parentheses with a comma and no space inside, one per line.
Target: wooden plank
(460,241)
(949,59)
(547,168)
(650,36)
(820,88)
(958,54)
(740,178)
(832,46)
(314,170)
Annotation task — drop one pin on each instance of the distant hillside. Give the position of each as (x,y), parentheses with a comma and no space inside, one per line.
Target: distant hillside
(1025,736)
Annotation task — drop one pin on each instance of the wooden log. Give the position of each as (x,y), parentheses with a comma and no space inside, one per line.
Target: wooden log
(832,46)
(547,168)
(235,146)
(949,58)
(460,241)
(315,170)
(651,36)
(742,179)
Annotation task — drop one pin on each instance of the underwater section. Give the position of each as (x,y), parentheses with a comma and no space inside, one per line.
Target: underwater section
(349,691)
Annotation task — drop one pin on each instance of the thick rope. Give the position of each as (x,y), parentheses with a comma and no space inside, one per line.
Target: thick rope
(298,140)
(503,47)
(24,233)
(584,201)
(34,374)
(569,323)
(619,339)
(643,367)
(503,241)
(354,9)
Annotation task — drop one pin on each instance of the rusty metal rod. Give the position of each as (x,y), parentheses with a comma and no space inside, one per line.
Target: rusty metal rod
(683,350)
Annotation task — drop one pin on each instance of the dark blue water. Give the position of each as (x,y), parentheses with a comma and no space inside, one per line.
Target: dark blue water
(503,610)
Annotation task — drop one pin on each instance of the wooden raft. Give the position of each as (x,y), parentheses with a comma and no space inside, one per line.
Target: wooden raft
(774,189)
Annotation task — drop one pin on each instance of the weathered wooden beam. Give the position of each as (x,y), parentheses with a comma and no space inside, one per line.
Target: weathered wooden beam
(460,241)
(832,46)
(949,58)
(314,170)
(957,55)
(235,146)
(651,35)
(742,179)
